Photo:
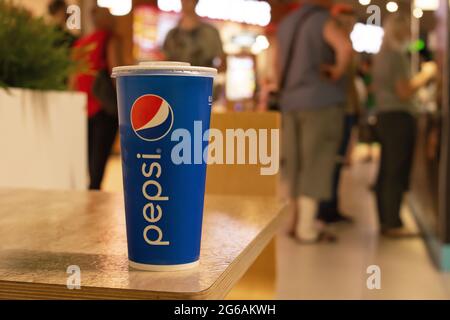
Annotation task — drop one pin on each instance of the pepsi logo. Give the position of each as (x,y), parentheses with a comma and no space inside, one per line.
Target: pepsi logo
(151,117)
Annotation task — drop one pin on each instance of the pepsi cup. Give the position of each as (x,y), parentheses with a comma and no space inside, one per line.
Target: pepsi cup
(161,104)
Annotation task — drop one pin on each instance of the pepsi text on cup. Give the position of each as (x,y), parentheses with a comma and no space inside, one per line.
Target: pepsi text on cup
(152,211)
(152,118)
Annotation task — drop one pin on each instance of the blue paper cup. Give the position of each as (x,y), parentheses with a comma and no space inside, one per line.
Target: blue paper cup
(164,112)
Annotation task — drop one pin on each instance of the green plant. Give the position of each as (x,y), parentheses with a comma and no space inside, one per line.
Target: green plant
(29,56)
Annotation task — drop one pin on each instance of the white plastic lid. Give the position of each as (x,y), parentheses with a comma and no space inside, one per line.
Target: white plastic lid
(164,63)
(152,67)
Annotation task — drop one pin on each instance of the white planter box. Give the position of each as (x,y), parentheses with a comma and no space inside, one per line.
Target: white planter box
(43,139)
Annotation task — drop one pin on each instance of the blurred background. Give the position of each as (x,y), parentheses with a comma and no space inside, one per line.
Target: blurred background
(48,65)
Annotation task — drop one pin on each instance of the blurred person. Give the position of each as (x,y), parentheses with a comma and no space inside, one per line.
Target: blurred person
(102,56)
(329,211)
(314,54)
(396,124)
(57,9)
(193,40)
(367,123)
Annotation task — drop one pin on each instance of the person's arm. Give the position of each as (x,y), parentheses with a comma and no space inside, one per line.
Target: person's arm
(276,68)
(406,88)
(219,53)
(335,36)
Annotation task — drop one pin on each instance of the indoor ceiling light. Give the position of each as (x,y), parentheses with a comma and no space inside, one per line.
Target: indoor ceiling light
(418,13)
(367,38)
(105,3)
(426,5)
(243,11)
(116,7)
(121,7)
(392,6)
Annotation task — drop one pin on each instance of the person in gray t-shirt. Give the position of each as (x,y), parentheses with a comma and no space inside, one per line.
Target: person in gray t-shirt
(193,40)
(396,125)
(313,94)
(391,66)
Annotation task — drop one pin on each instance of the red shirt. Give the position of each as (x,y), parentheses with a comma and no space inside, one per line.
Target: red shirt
(95,43)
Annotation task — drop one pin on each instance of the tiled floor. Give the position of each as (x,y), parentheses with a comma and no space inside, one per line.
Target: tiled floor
(339,271)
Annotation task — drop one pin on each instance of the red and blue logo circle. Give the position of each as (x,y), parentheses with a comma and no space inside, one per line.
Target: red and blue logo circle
(151,117)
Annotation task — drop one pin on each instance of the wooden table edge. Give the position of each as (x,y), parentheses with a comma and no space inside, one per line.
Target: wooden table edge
(218,290)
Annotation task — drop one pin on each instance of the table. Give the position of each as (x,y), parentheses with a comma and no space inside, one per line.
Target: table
(42,233)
